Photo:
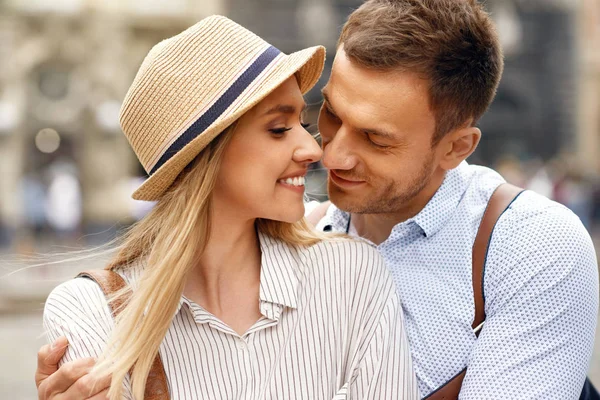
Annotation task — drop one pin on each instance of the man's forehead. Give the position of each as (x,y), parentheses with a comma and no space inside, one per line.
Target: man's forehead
(345,69)
(392,101)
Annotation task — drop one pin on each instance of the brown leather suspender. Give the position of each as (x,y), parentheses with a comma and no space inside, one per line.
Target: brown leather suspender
(502,197)
(110,282)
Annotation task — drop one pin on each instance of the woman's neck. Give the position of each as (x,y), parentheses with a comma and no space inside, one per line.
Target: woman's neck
(231,249)
(228,269)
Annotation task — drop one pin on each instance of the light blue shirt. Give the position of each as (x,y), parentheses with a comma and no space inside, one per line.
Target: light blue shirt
(540,289)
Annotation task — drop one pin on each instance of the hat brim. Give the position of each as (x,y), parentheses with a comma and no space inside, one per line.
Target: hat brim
(307,64)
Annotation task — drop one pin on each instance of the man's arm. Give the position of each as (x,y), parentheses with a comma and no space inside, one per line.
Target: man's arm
(541,295)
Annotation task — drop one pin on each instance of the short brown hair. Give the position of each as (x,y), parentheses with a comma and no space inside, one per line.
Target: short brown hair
(453,43)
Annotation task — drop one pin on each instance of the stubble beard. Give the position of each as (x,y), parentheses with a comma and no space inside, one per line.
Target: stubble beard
(392,198)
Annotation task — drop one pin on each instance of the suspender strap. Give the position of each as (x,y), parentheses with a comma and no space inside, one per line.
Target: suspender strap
(501,199)
(110,282)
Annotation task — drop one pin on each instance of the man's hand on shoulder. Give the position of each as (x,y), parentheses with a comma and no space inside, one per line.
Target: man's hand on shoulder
(72,380)
(318,213)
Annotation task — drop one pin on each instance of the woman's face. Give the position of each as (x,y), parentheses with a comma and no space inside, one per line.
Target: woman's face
(265,163)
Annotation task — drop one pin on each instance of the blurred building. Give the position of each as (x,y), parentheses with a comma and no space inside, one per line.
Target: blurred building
(534,114)
(588,143)
(66,68)
(70,63)
(293,24)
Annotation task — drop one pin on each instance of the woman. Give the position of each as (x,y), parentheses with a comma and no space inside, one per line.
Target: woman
(239,297)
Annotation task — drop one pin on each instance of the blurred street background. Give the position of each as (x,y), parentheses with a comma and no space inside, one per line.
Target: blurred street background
(66,170)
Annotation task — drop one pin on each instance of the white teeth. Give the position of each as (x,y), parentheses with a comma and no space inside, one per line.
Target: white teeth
(296,181)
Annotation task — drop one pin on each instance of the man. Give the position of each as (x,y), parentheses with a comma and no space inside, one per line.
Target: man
(409,82)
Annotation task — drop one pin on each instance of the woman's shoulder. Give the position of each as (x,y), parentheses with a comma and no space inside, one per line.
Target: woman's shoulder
(82,297)
(76,298)
(350,257)
(338,249)
(78,310)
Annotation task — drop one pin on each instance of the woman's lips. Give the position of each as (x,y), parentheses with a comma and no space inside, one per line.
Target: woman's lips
(296,188)
(344,183)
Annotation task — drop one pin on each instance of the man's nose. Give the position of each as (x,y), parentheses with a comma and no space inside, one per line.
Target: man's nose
(337,152)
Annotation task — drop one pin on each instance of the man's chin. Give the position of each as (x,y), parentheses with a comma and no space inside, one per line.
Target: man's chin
(343,200)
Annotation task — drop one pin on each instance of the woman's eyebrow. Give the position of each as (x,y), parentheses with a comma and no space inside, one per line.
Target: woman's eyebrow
(284,109)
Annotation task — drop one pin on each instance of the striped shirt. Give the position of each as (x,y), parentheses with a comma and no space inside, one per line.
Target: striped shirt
(331,328)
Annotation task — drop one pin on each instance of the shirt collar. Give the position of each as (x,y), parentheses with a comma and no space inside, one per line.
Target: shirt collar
(278,273)
(441,206)
(434,215)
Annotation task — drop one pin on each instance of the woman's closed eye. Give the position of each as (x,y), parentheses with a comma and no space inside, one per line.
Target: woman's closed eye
(281,131)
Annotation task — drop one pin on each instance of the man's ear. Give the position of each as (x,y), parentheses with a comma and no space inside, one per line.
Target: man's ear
(458,145)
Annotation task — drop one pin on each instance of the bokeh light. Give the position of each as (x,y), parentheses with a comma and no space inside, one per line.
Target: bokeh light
(47,140)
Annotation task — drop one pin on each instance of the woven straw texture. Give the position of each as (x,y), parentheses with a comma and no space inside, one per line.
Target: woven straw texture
(183,76)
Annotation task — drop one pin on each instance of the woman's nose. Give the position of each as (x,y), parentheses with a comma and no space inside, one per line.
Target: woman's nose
(308,151)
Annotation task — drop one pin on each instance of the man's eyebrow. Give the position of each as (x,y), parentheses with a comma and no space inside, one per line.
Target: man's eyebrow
(328,103)
(324,94)
(284,109)
(376,132)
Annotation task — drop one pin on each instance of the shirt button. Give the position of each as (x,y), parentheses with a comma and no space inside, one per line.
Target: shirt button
(241,345)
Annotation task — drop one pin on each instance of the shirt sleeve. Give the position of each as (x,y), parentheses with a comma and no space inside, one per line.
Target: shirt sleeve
(78,310)
(541,296)
(383,366)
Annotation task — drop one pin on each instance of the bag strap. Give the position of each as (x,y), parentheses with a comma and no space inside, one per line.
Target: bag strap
(502,197)
(110,282)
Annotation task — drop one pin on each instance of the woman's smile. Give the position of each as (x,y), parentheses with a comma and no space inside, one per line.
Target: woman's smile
(294,181)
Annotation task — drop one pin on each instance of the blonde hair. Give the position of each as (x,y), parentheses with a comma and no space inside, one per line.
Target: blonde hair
(168,241)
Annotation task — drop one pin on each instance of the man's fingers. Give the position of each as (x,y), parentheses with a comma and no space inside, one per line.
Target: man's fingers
(66,376)
(103,395)
(48,358)
(318,213)
(88,386)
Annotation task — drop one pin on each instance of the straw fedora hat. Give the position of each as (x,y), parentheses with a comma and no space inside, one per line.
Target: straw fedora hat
(194,85)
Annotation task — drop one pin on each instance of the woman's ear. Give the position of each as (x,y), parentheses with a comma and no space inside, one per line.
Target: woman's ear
(458,145)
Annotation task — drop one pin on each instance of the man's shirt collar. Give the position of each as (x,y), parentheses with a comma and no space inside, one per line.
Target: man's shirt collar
(444,202)
(433,216)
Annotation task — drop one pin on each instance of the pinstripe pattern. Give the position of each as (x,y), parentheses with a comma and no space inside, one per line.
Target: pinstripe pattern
(331,329)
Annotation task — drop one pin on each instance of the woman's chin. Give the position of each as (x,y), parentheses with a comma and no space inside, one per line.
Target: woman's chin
(290,215)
